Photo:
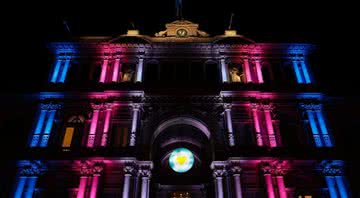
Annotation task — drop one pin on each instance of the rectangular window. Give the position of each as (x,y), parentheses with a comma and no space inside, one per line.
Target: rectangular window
(69,132)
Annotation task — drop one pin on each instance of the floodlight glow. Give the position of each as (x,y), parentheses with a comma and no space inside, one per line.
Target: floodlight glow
(181,160)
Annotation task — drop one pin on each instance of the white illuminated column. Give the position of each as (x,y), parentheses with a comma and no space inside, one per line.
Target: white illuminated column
(219,171)
(139,70)
(129,170)
(117,68)
(224,70)
(135,117)
(247,71)
(236,170)
(145,173)
(103,71)
(258,71)
(104,137)
(229,124)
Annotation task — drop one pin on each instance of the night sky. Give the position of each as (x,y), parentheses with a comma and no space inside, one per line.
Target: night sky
(27,27)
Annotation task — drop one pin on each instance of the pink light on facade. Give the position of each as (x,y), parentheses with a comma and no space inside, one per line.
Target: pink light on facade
(106,127)
(258,71)
(103,71)
(247,71)
(259,140)
(281,186)
(269,186)
(82,187)
(93,126)
(116,70)
(270,128)
(94,186)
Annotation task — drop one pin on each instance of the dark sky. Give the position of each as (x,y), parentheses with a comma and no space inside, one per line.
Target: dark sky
(29,26)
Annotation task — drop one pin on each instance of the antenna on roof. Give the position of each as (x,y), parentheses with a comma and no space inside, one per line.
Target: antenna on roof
(231,20)
(132,25)
(66,26)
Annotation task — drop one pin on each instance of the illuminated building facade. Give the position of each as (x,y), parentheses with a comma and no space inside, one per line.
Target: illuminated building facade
(181,114)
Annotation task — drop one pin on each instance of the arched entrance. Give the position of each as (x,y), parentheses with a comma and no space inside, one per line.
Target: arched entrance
(182,133)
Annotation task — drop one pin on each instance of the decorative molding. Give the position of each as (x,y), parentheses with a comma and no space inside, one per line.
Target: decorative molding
(89,168)
(31,169)
(51,106)
(310,106)
(277,167)
(332,168)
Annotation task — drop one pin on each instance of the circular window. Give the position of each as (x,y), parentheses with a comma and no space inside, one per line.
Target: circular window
(181,160)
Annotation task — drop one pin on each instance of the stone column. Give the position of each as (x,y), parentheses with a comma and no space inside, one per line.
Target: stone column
(309,109)
(258,71)
(334,177)
(134,123)
(97,170)
(254,109)
(117,69)
(247,70)
(39,126)
(145,173)
(139,70)
(104,138)
(236,171)
(129,170)
(56,71)
(229,126)
(267,169)
(65,70)
(86,172)
(224,70)
(48,127)
(324,132)
(305,72)
(28,175)
(93,125)
(297,72)
(269,125)
(219,172)
(104,68)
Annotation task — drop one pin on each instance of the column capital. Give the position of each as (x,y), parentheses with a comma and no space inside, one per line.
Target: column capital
(31,168)
(227,106)
(310,106)
(98,167)
(51,106)
(136,106)
(219,168)
(235,169)
(99,106)
(88,168)
(130,168)
(267,107)
(254,106)
(108,106)
(278,167)
(332,168)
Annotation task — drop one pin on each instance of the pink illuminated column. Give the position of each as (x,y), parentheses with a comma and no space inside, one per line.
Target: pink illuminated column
(281,186)
(117,68)
(229,124)
(103,71)
(93,125)
(82,186)
(269,185)
(134,123)
(247,71)
(104,137)
(258,71)
(97,170)
(269,125)
(254,110)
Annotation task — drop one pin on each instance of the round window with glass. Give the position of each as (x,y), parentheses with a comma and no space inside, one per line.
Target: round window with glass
(181,160)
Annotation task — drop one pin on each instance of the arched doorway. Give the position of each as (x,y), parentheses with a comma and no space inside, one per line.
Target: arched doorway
(182,133)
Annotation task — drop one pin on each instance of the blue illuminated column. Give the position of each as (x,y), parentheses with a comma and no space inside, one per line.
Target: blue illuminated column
(297,72)
(224,70)
(330,181)
(56,71)
(323,128)
(30,186)
(139,70)
(64,70)
(305,72)
(20,186)
(341,186)
(314,129)
(39,126)
(48,127)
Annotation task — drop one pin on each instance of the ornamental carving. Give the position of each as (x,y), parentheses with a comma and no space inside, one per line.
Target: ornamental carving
(310,107)
(145,172)
(219,172)
(332,168)
(88,168)
(278,167)
(50,106)
(31,169)
(98,106)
